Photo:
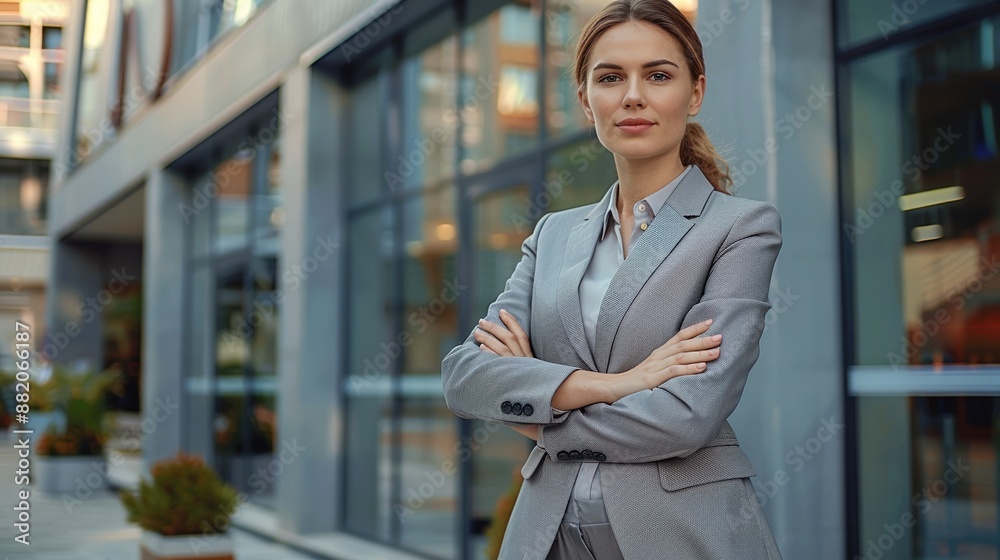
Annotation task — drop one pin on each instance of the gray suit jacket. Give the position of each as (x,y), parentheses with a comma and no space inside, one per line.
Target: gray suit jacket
(675,479)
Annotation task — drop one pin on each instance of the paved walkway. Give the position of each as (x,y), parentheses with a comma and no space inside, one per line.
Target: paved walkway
(93,529)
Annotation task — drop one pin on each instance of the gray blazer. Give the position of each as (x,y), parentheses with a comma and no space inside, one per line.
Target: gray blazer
(675,479)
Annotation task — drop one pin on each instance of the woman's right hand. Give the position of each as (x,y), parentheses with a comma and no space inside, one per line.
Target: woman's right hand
(684,354)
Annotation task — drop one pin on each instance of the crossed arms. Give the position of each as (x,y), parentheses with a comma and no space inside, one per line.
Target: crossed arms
(673,419)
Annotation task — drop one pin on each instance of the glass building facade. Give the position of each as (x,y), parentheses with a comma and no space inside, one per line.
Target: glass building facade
(919,163)
(317,246)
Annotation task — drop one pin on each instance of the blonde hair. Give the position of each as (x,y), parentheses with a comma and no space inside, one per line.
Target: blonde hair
(696,148)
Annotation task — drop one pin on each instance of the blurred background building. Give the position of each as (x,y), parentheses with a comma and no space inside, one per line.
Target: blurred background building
(281,214)
(31,66)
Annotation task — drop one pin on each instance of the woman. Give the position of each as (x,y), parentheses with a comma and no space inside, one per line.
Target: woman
(641,464)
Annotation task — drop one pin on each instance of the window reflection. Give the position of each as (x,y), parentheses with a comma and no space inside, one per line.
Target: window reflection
(431,285)
(928,485)
(429,117)
(233,183)
(499,102)
(564,19)
(925,231)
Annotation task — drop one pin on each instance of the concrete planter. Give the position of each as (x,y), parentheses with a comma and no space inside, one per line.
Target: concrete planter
(57,474)
(155,546)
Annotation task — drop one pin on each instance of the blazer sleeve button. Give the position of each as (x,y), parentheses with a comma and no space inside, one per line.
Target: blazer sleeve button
(587,454)
(516,409)
(574,454)
(527,409)
(505,407)
(600,456)
(562,455)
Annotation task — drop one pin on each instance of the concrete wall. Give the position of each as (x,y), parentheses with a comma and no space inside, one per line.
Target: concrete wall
(770,108)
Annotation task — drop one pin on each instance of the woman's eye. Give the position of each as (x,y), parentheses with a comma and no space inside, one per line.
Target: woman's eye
(665,77)
(605,78)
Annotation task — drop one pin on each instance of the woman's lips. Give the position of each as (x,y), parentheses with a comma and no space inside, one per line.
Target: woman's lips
(634,125)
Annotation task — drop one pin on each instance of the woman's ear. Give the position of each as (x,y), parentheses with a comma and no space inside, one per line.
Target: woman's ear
(581,93)
(697,96)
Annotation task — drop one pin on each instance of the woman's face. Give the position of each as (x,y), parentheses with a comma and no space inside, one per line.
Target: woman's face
(618,87)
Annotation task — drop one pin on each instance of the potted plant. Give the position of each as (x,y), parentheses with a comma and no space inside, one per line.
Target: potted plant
(70,456)
(184,511)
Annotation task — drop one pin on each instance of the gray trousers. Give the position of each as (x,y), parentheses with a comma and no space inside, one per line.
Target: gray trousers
(585,533)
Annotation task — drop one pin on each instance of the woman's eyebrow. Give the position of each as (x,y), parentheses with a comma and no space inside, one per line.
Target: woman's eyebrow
(660,62)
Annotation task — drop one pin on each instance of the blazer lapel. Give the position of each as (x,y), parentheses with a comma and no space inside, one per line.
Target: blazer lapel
(579,252)
(666,230)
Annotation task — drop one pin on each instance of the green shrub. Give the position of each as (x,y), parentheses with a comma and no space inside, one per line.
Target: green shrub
(185,497)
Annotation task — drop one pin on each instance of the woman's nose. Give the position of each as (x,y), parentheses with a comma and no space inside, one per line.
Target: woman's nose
(633,98)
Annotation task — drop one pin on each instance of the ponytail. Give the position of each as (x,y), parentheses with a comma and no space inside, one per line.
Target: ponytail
(698,150)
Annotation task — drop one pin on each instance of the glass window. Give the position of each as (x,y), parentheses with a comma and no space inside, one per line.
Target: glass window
(15,36)
(23,195)
(95,95)
(269,216)
(366,140)
(232,182)
(868,20)
(429,118)
(928,485)
(919,165)
(13,80)
(370,328)
(368,468)
(51,37)
(564,19)
(199,23)
(232,379)
(431,287)
(923,158)
(429,497)
(499,93)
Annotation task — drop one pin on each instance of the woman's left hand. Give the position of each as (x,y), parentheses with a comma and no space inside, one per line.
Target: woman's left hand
(509,341)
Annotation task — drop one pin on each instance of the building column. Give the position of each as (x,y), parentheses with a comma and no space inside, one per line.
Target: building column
(770,110)
(163,324)
(74,296)
(310,414)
